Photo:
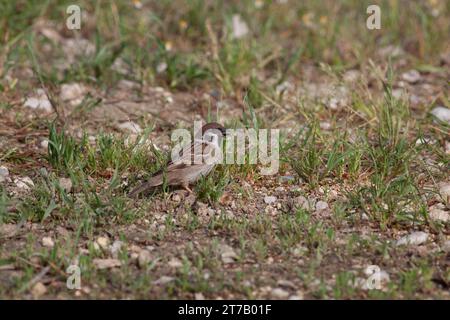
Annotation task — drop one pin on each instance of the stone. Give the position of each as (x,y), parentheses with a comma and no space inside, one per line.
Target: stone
(441,113)
(325,125)
(444,191)
(106,263)
(24,183)
(227,254)
(199,296)
(4,174)
(351,76)
(321,205)
(130,127)
(439,215)
(415,238)
(376,279)
(39,101)
(176,198)
(302,202)
(161,67)
(7,229)
(175,263)
(239,27)
(48,242)
(73,92)
(446,246)
(38,290)
(270,199)
(163,280)
(144,258)
(44,144)
(279,293)
(115,248)
(66,184)
(103,242)
(411,76)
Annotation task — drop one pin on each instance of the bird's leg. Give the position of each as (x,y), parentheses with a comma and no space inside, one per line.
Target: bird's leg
(186,187)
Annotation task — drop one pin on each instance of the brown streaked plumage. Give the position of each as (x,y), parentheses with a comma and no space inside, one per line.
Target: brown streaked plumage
(184,174)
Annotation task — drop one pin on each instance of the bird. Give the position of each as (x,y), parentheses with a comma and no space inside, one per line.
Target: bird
(191,165)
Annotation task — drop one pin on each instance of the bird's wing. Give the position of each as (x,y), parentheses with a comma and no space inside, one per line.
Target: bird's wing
(185,159)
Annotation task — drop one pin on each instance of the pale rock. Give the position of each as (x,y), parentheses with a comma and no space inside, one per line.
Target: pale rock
(44,144)
(444,191)
(39,101)
(130,126)
(439,215)
(446,246)
(399,93)
(415,238)
(103,242)
(7,229)
(135,248)
(259,4)
(199,296)
(298,296)
(161,67)
(73,92)
(175,263)
(302,202)
(163,280)
(48,242)
(115,248)
(285,179)
(279,293)
(106,263)
(176,198)
(168,99)
(96,246)
(412,76)
(4,174)
(24,183)
(441,113)
(74,47)
(283,87)
(38,290)
(227,254)
(376,279)
(239,27)
(392,51)
(120,66)
(351,76)
(321,205)
(447,147)
(66,184)
(144,258)
(286,284)
(324,125)
(270,199)
(424,140)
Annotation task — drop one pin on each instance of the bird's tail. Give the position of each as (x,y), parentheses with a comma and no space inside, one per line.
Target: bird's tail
(144,187)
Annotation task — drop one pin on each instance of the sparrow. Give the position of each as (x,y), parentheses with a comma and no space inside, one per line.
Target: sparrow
(195,161)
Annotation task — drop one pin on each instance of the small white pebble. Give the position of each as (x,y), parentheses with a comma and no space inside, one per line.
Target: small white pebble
(270,199)
(48,242)
(24,183)
(321,205)
(415,238)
